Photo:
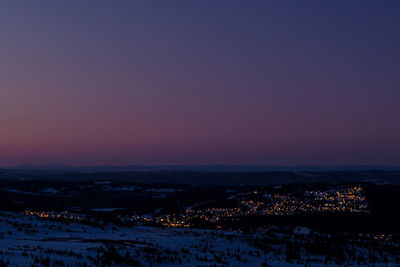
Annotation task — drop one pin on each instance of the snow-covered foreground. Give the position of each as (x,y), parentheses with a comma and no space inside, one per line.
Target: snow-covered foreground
(27,240)
(32,241)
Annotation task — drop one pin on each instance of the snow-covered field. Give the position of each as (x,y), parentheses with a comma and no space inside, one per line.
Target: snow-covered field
(27,240)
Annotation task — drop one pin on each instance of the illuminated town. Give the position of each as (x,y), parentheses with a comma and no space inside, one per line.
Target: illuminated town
(256,203)
(349,200)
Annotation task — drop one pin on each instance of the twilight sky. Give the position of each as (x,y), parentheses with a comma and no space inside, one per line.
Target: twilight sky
(200,82)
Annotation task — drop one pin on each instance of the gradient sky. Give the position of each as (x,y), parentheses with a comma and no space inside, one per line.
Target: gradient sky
(200,82)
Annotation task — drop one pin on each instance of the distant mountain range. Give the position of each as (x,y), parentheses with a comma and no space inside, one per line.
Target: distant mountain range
(207,174)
